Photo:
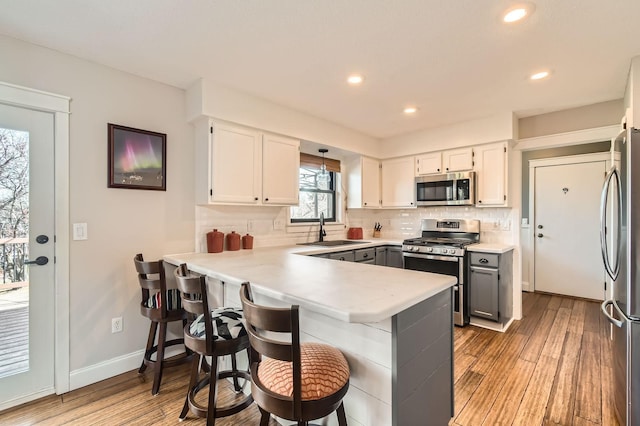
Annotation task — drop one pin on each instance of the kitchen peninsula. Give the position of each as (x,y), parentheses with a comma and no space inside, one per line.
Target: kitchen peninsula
(394,326)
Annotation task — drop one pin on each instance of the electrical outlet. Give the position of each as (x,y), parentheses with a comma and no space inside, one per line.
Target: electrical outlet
(278,224)
(116,325)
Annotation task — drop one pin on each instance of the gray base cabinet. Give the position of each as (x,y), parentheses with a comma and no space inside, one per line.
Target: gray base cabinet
(490,285)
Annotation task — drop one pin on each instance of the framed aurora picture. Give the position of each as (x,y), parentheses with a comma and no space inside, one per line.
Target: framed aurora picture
(137,158)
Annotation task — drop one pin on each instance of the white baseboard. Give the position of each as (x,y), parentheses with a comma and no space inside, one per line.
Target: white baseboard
(526,287)
(104,370)
(24,399)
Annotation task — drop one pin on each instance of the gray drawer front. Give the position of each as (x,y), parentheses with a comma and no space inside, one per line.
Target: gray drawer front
(369,262)
(365,254)
(488,260)
(343,255)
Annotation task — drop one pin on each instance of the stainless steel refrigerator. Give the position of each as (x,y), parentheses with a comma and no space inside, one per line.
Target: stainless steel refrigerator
(620,240)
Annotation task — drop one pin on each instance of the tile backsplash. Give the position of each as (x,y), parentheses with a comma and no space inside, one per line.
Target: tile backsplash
(270,225)
(496,224)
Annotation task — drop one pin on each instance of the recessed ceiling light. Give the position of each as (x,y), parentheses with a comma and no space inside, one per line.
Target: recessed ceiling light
(355,79)
(518,12)
(410,110)
(539,75)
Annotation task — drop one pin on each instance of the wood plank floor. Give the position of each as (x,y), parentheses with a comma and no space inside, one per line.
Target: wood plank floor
(551,368)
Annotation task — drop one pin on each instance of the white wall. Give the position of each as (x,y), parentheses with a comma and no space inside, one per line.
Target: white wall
(498,127)
(205,98)
(121,222)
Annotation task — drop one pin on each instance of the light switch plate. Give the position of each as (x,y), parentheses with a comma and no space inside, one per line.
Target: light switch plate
(80,231)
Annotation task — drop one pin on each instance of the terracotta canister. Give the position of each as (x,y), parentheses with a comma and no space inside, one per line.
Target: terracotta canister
(215,241)
(247,241)
(233,241)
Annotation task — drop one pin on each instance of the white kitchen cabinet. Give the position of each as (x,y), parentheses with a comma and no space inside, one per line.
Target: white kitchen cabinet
(491,175)
(240,165)
(453,160)
(363,182)
(429,163)
(457,160)
(280,170)
(398,182)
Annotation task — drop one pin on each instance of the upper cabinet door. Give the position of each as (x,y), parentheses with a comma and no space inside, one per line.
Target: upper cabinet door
(370,182)
(491,172)
(457,160)
(280,170)
(429,163)
(236,164)
(398,182)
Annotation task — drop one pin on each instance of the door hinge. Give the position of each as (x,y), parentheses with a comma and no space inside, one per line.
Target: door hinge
(505,149)
(505,197)
(498,277)
(605,286)
(473,163)
(211,192)
(211,129)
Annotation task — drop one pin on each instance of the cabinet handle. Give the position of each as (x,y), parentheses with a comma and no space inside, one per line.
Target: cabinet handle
(365,255)
(447,169)
(365,204)
(266,199)
(438,169)
(256,198)
(479,201)
(483,260)
(342,258)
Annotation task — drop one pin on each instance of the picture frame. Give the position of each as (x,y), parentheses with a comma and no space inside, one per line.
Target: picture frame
(137,158)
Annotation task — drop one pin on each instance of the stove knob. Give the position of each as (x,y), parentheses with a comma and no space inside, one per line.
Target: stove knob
(429,249)
(452,251)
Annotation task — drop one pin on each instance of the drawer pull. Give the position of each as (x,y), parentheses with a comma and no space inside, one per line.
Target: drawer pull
(483,260)
(483,313)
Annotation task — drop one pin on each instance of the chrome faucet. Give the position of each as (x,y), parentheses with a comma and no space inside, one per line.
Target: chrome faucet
(322,233)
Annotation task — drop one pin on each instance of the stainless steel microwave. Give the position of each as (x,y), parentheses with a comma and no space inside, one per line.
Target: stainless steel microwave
(450,189)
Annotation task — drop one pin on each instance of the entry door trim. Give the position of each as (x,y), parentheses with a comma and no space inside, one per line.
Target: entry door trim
(555,161)
(58,105)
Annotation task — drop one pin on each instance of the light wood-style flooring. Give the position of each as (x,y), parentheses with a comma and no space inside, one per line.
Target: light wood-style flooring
(553,367)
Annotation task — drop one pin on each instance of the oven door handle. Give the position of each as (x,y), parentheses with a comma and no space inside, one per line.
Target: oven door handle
(430,256)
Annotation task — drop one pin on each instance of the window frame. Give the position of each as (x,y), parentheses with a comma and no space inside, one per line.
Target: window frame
(332,191)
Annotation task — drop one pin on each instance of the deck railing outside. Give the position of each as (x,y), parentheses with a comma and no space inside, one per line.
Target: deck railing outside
(13,253)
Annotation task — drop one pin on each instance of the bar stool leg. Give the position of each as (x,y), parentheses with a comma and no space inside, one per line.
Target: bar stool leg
(195,363)
(264,419)
(342,418)
(234,368)
(213,389)
(159,359)
(150,340)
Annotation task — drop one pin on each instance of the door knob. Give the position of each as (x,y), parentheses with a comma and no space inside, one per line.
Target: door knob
(539,226)
(40,260)
(540,235)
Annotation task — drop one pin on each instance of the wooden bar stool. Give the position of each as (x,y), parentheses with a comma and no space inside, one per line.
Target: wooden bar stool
(295,381)
(215,333)
(161,306)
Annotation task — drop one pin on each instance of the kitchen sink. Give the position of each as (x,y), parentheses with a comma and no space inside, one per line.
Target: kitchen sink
(333,243)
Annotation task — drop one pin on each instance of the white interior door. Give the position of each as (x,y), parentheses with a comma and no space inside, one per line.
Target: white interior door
(27,147)
(566,229)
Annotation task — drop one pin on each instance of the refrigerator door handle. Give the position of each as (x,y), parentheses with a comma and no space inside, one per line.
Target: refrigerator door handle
(604,201)
(618,323)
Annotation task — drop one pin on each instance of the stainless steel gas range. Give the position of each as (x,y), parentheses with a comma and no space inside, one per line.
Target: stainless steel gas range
(442,250)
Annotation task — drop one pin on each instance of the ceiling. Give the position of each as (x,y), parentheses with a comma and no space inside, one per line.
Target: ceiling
(454,60)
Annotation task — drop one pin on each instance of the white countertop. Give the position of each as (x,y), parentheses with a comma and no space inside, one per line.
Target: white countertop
(347,291)
(490,248)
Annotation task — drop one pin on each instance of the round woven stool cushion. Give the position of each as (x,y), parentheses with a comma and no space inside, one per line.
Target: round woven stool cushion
(324,372)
